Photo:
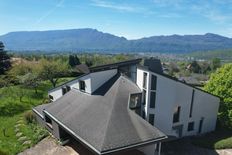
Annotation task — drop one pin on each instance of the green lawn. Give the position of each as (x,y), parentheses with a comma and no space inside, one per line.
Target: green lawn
(12,113)
(219,139)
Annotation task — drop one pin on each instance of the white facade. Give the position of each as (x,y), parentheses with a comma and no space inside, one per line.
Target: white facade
(197,108)
(92,82)
(169,95)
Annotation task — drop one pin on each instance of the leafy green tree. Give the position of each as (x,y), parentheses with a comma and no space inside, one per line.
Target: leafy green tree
(220,84)
(30,80)
(5,63)
(195,67)
(52,70)
(73,60)
(215,63)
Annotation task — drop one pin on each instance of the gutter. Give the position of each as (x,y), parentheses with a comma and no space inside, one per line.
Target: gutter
(38,113)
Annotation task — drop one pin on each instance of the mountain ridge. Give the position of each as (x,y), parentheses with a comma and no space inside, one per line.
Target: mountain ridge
(87,39)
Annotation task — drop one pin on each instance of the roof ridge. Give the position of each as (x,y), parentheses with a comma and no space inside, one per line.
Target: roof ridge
(111,111)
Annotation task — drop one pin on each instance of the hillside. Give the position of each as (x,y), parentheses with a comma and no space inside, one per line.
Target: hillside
(93,40)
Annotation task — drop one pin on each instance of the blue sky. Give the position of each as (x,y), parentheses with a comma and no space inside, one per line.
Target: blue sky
(129,18)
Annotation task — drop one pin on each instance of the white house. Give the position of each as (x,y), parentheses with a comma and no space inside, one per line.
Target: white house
(103,109)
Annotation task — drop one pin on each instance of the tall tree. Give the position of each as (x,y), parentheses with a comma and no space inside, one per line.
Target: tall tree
(52,70)
(4,59)
(220,84)
(195,67)
(215,63)
(73,60)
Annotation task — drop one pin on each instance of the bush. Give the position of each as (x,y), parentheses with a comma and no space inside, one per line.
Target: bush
(11,108)
(3,152)
(29,117)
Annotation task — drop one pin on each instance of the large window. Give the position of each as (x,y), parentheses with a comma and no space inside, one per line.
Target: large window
(151,119)
(144,80)
(152,99)
(191,126)
(82,85)
(144,96)
(135,101)
(176,115)
(153,82)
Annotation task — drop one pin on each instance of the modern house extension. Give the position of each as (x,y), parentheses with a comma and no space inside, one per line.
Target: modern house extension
(127,106)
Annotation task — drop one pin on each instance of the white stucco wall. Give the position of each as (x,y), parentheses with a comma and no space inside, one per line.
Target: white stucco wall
(92,82)
(169,95)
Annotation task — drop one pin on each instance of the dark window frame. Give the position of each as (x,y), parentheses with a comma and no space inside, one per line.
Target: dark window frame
(151,119)
(48,121)
(152,100)
(144,96)
(153,82)
(82,85)
(138,100)
(191,126)
(145,80)
(176,115)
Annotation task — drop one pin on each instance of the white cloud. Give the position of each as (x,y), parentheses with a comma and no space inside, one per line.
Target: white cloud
(119,7)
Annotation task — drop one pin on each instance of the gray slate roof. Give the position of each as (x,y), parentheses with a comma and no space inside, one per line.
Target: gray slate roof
(103,120)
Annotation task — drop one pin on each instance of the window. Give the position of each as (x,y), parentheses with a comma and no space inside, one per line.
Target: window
(143,115)
(153,82)
(48,121)
(135,101)
(191,106)
(144,96)
(151,119)
(176,115)
(50,97)
(82,85)
(191,126)
(64,90)
(68,88)
(152,99)
(144,80)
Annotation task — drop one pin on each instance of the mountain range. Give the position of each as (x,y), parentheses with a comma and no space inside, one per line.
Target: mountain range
(92,40)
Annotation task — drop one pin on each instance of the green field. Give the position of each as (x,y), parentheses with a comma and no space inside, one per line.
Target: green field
(12,112)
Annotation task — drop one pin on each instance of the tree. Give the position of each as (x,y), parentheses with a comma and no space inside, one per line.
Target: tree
(52,70)
(220,84)
(215,63)
(30,80)
(195,67)
(4,59)
(73,60)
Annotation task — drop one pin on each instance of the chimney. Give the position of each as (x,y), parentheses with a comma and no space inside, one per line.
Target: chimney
(153,65)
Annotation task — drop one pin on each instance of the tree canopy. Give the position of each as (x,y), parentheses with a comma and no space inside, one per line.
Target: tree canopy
(220,84)
(52,70)
(4,59)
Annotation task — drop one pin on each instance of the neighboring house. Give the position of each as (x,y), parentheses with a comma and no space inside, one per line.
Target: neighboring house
(122,106)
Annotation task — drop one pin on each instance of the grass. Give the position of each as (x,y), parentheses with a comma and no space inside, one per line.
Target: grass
(219,139)
(12,110)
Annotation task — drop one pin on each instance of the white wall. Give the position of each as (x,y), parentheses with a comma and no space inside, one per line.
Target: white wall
(92,82)
(169,95)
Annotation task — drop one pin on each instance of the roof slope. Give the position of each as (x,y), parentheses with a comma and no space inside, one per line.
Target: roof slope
(103,120)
